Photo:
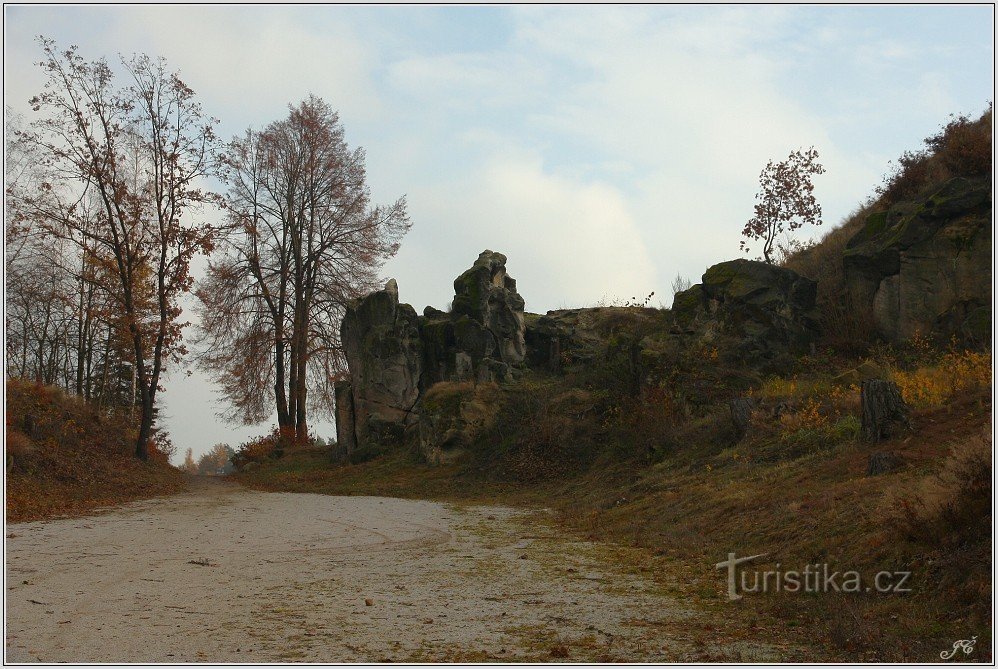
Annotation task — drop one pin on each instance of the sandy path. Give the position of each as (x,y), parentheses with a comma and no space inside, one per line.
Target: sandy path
(289,577)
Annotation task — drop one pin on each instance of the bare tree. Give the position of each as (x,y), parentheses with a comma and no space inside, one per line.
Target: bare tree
(680,283)
(303,240)
(137,153)
(785,201)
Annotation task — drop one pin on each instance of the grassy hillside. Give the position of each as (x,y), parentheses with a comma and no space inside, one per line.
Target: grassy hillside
(65,457)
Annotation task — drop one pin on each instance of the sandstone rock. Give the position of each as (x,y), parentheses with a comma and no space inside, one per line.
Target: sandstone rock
(452,415)
(483,338)
(925,267)
(487,295)
(767,308)
(384,355)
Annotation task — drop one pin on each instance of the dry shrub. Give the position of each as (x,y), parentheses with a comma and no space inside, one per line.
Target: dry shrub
(931,386)
(258,449)
(67,456)
(961,148)
(19,449)
(953,506)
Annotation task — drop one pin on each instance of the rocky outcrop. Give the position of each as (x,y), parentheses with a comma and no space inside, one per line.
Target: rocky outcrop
(769,309)
(482,339)
(925,267)
(452,416)
(395,356)
(384,355)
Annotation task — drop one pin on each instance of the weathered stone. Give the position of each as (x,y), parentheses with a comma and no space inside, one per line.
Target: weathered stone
(346,440)
(925,267)
(384,355)
(487,295)
(483,338)
(769,309)
(452,416)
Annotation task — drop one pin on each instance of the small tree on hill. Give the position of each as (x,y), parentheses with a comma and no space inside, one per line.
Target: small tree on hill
(785,201)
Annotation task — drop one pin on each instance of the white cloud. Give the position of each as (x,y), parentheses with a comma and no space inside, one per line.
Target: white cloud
(568,242)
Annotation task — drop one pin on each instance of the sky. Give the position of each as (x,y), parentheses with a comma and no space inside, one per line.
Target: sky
(604,150)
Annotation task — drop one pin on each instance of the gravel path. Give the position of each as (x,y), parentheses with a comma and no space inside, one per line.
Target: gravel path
(226,574)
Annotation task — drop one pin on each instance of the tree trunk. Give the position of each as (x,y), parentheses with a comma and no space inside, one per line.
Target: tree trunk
(885,413)
(145,428)
(301,421)
(283,417)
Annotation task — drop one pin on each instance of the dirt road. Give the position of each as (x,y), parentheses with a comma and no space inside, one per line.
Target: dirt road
(225,574)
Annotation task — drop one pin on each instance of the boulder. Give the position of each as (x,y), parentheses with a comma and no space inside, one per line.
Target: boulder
(384,355)
(768,309)
(924,267)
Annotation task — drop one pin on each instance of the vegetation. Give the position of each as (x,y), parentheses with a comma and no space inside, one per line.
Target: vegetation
(68,457)
(635,444)
(117,173)
(654,471)
(786,200)
(303,240)
(962,148)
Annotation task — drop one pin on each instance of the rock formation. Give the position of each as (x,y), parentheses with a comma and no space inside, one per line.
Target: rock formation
(482,339)
(393,356)
(768,308)
(925,267)
(384,355)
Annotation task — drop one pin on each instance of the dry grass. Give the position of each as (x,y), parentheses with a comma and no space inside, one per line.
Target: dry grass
(65,457)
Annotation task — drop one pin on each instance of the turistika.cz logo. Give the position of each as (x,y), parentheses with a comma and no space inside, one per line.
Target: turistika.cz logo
(812,578)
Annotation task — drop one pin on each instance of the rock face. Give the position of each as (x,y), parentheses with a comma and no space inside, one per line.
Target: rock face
(925,267)
(768,308)
(394,356)
(384,354)
(482,339)
(452,415)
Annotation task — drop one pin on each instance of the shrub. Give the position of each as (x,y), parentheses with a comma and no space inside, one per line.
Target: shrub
(258,449)
(932,385)
(953,506)
(961,148)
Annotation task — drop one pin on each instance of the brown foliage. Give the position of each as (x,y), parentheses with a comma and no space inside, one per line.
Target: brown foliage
(65,456)
(953,506)
(785,200)
(303,239)
(135,154)
(961,148)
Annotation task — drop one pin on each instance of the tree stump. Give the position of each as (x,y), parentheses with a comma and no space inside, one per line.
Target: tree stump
(741,409)
(883,462)
(885,413)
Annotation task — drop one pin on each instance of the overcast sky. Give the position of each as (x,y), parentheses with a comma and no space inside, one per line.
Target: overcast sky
(603,150)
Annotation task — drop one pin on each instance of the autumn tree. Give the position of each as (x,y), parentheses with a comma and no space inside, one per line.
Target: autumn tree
(785,201)
(189,466)
(216,461)
(303,239)
(122,167)
(59,317)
